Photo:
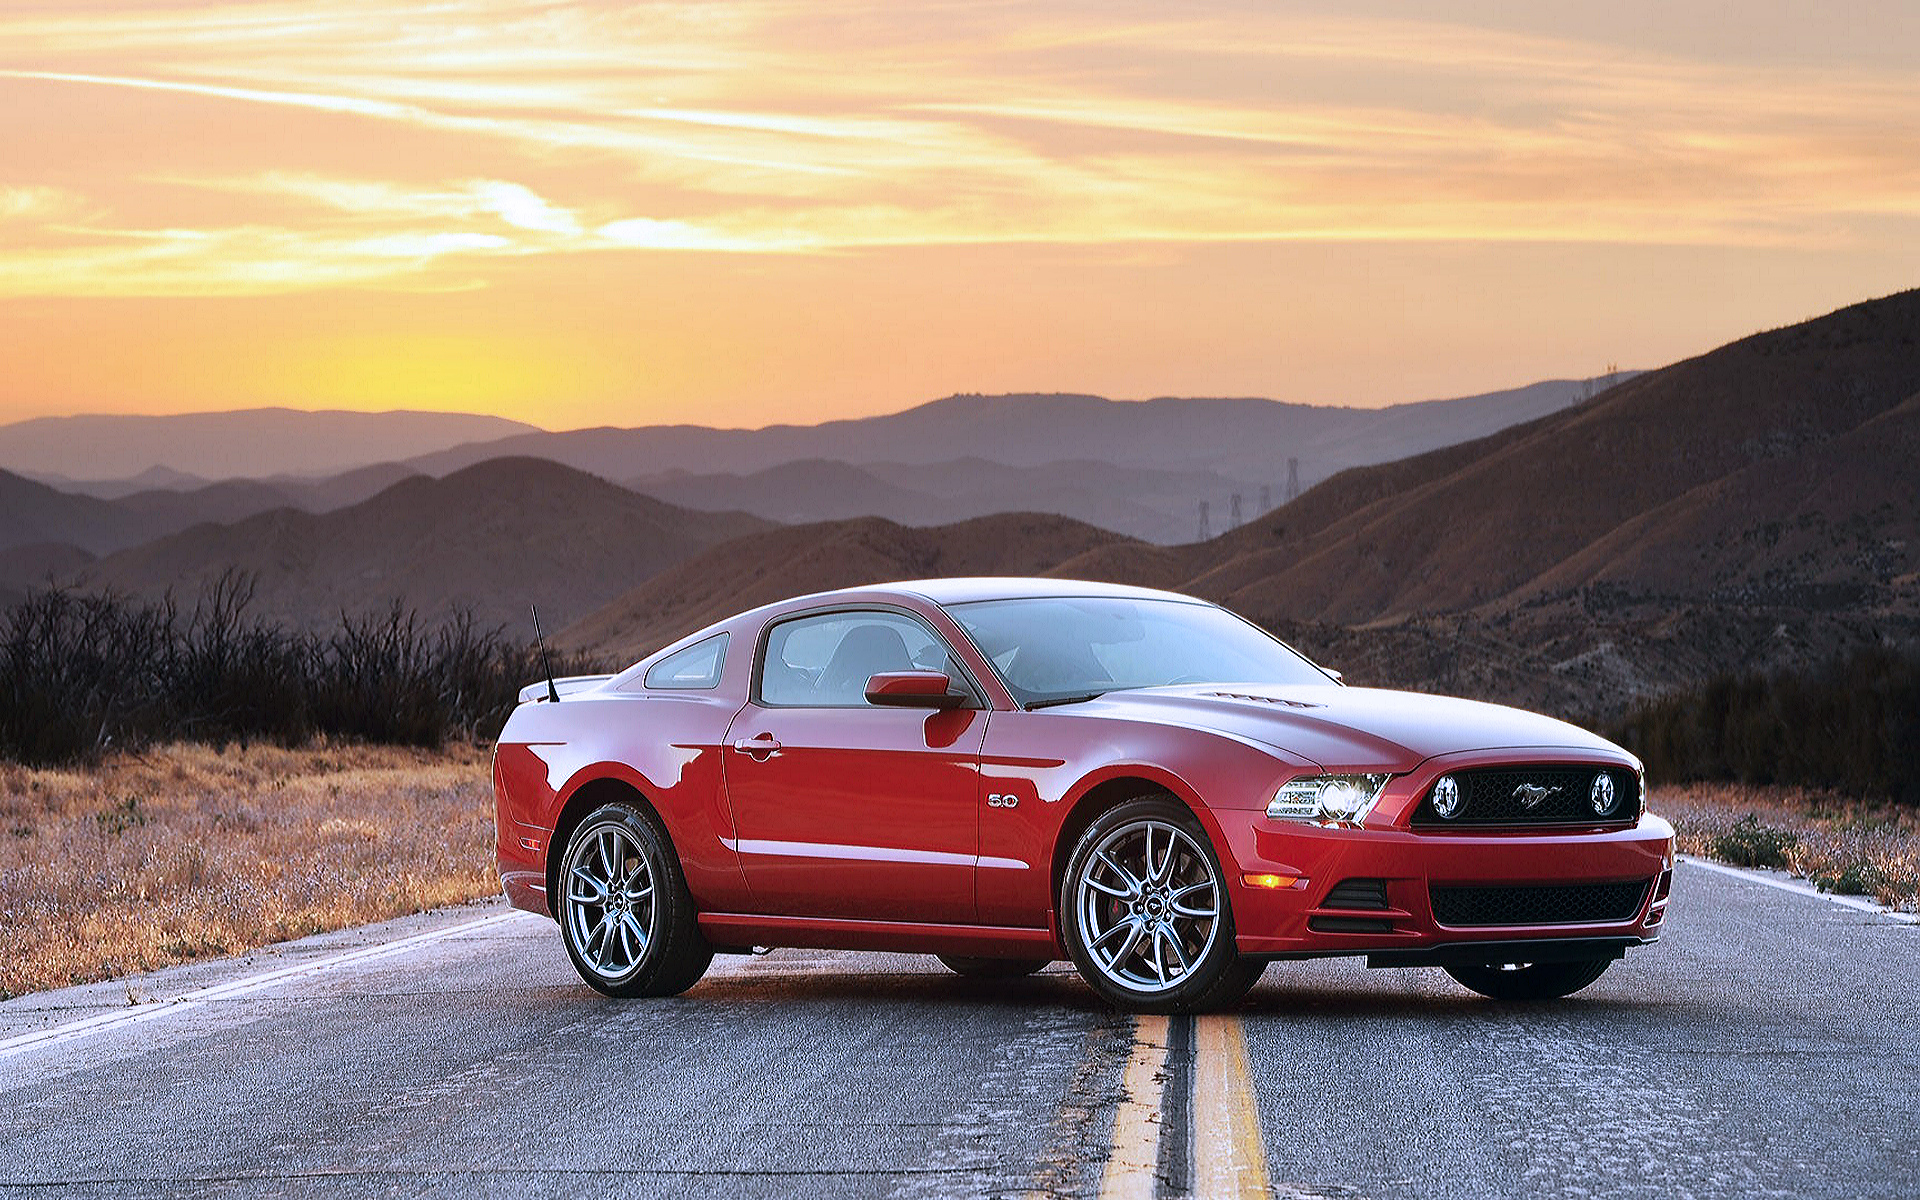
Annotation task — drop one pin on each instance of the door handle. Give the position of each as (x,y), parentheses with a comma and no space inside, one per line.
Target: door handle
(760,747)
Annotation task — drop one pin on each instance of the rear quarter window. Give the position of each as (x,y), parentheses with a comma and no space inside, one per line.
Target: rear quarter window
(697,668)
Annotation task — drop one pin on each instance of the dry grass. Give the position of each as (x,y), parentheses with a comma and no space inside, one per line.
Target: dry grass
(1838,844)
(187,851)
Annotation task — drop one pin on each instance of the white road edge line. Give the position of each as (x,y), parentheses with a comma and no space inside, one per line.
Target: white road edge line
(1803,889)
(105,1022)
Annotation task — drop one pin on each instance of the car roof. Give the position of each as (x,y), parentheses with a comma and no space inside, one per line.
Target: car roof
(1004,587)
(957,590)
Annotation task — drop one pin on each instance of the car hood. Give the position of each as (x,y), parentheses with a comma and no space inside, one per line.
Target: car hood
(1343,728)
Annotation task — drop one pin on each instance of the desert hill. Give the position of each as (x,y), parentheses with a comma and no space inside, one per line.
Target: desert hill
(493,537)
(1491,523)
(34,513)
(1836,521)
(774,564)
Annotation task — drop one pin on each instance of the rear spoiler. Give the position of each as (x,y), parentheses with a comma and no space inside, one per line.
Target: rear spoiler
(566,687)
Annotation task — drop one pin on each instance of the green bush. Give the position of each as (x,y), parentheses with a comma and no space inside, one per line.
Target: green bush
(1859,878)
(1751,844)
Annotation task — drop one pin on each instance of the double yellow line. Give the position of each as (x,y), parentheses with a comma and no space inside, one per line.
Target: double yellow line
(1228,1160)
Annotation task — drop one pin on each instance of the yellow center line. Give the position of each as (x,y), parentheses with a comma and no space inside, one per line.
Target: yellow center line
(1132,1168)
(1229,1160)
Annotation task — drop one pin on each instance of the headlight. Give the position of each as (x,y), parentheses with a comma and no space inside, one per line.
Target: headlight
(1333,799)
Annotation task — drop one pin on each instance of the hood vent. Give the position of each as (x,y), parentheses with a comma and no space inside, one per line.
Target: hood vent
(1266,699)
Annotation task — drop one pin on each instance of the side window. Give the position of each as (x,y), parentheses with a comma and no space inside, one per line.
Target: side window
(825,661)
(697,668)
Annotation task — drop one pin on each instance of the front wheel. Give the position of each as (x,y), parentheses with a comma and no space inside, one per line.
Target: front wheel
(1530,981)
(1143,909)
(625,914)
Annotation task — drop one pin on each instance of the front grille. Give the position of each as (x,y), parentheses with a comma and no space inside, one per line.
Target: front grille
(1573,904)
(1493,796)
(1357,893)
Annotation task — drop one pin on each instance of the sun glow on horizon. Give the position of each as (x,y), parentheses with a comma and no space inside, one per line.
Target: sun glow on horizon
(596,211)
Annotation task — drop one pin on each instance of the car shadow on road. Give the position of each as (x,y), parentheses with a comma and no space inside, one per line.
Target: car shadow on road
(1053,990)
(1060,988)
(1282,998)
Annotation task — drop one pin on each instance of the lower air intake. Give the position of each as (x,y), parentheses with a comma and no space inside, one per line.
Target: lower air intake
(1573,904)
(1357,893)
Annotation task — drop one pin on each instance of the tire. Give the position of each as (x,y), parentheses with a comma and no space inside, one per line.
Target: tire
(1530,981)
(625,915)
(992,968)
(1119,891)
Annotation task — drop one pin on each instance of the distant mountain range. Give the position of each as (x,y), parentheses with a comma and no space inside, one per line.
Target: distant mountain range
(1159,506)
(1756,505)
(251,443)
(1248,441)
(1141,468)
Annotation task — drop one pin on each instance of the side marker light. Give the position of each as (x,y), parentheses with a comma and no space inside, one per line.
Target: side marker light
(1271,881)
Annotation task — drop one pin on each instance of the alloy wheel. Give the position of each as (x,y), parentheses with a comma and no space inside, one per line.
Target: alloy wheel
(611,914)
(1148,902)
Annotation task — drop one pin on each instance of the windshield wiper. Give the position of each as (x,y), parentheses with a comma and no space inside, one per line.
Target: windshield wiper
(1081,698)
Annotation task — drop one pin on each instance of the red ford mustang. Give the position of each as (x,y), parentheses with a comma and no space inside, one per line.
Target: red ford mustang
(1005,772)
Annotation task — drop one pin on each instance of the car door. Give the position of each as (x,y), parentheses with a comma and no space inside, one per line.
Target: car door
(843,809)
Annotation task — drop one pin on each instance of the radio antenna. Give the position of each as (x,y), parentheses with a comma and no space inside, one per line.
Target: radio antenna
(553,693)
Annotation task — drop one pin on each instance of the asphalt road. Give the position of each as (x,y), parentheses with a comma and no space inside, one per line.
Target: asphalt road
(1767,1046)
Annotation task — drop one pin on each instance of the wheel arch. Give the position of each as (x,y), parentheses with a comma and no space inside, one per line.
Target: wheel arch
(1108,790)
(582,799)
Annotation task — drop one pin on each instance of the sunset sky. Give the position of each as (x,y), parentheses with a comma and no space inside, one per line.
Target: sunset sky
(737,213)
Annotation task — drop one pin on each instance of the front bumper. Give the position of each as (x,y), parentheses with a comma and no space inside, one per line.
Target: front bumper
(1308,920)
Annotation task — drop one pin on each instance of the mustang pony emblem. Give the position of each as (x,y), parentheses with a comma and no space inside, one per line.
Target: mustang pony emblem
(1531,794)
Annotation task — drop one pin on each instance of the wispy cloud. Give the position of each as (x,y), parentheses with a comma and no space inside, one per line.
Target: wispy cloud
(19,203)
(240,260)
(519,129)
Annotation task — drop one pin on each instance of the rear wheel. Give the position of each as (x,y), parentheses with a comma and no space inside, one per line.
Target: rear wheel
(625,914)
(992,968)
(1143,909)
(1530,981)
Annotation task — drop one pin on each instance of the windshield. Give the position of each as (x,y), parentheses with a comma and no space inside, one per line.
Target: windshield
(1055,648)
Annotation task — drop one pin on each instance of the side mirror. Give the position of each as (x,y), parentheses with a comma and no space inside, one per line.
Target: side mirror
(1337,676)
(913,689)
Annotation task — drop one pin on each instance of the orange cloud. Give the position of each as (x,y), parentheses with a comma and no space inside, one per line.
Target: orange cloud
(671,130)
(278,149)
